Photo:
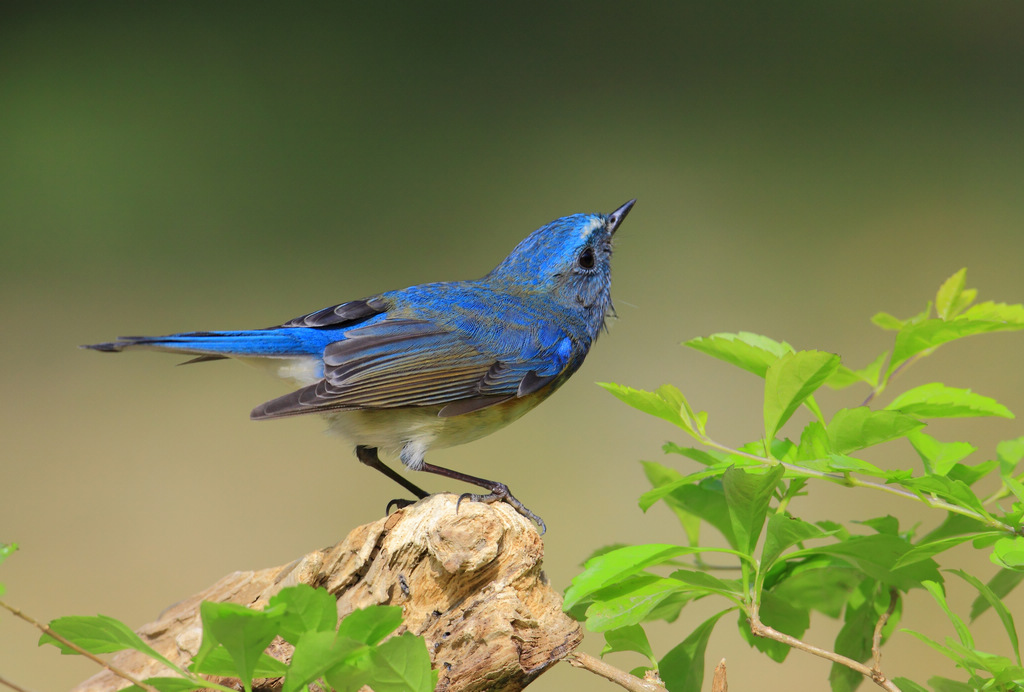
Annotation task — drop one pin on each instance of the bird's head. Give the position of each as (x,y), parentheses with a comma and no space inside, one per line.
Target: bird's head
(569,259)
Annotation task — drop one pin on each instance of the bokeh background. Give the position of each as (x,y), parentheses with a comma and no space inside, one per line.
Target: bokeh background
(189,165)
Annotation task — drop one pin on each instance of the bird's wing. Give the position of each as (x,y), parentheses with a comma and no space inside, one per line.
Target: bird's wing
(398,362)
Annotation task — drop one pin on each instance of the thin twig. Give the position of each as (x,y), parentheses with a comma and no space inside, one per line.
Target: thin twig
(876,641)
(621,678)
(49,632)
(762,630)
(10,684)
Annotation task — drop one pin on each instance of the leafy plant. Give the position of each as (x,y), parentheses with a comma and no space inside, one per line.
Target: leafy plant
(785,568)
(333,656)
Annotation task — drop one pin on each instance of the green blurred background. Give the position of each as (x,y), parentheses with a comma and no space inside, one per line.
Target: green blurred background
(187,165)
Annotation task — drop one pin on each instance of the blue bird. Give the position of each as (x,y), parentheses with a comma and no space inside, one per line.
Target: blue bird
(439,364)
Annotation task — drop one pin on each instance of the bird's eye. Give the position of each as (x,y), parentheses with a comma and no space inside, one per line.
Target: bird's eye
(586,259)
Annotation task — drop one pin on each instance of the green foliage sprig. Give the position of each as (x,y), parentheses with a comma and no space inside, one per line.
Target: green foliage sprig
(332,656)
(787,567)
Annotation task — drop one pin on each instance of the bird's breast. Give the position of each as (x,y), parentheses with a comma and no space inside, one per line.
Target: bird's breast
(408,433)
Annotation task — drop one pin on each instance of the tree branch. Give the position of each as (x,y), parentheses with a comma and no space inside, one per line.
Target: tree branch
(609,672)
(469,580)
(876,640)
(762,630)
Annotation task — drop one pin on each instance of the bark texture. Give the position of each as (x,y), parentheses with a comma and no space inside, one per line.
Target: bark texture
(470,582)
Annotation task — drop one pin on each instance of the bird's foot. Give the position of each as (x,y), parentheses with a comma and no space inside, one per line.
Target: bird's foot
(500,493)
(398,503)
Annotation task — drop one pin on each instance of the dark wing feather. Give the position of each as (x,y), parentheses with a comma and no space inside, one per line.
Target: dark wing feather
(350,313)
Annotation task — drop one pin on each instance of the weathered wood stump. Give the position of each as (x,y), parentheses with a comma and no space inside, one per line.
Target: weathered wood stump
(471,582)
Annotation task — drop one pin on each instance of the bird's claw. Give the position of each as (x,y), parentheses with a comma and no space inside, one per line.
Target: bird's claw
(500,493)
(398,503)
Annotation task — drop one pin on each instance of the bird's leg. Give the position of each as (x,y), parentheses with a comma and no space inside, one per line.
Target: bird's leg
(498,491)
(368,456)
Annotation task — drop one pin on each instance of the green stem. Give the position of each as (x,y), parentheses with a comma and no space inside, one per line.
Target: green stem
(852,481)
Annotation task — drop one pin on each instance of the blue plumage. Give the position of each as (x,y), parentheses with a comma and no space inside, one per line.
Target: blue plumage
(438,364)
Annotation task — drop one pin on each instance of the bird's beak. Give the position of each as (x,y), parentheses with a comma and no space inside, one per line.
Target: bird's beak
(616,217)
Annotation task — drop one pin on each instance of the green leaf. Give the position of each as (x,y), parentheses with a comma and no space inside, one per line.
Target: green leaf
(843,463)
(318,651)
(751,352)
(306,610)
(371,624)
(748,496)
(936,400)
(944,650)
(939,594)
(926,335)
(925,550)
(669,609)
(784,532)
(869,374)
(707,501)
(1003,668)
(822,584)
(876,555)
(887,524)
(940,684)
(630,601)
(866,603)
(401,664)
(908,685)
(701,456)
(855,637)
(956,492)
(969,474)
(1009,553)
(682,668)
(938,457)
(609,568)
(887,321)
(1008,316)
(954,525)
(789,381)
(629,638)
(1009,453)
(1004,581)
(814,443)
(858,428)
(652,403)
(659,476)
(708,583)
(673,491)
(245,633)
(219,662)
(995,601)
(951,298)
(99,634)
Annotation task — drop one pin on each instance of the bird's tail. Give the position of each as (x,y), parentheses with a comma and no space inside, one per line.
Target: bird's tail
(267,343)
